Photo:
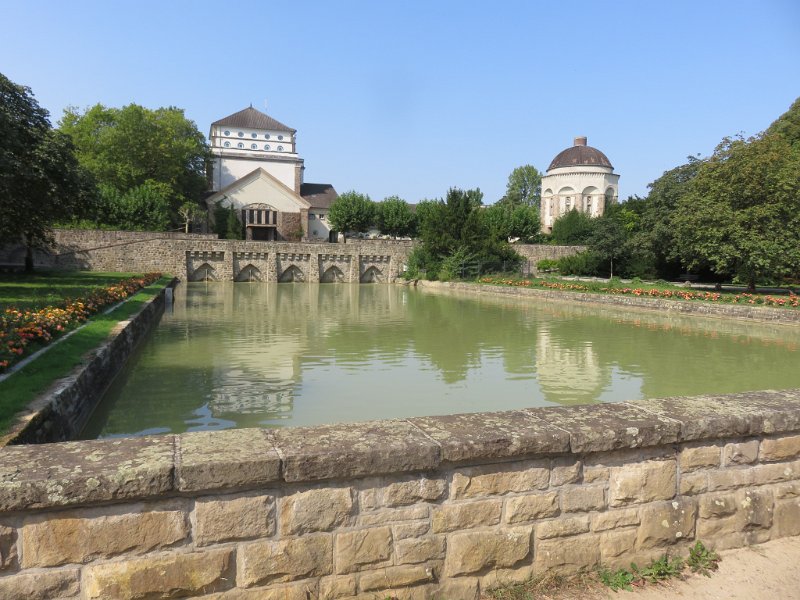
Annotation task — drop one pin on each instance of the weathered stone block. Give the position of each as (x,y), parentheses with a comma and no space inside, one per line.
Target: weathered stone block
(493,435)
(713,506)
(788,490)
(642,482)
(292,591)
(531,507)
(780,448)
(395,577)
(595,474)
(417,490)
(757,507)
(8,547)
(773,473)
(354,549)
(461,588)
(698,457)
(728,479)
(183,574)
(285,560)
(476,482)
(315,510)
(566,555)
(665,523)
(228,459)
(80,536)
(615,519)
(741,453)
(338,586)
(582,498)
(564,471)
(693,483)
(616,544)
(419,550)
(787,517)
(402,531)
(233,517)
(562,527)
(452,517)
(44,585)
(504,578)
(473,551)
(393,515)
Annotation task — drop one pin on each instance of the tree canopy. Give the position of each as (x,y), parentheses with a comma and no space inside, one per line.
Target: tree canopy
(351,211)
(395,217)
(523,187)
(572,228)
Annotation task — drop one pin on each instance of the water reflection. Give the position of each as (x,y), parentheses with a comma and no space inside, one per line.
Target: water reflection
(243,355)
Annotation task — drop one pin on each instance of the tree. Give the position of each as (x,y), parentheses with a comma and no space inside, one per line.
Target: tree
(608,239)
(40,179)
(524,187)
(395,216)
(127,147)
(351,211)
(189,212)
(572,228)
(518,222)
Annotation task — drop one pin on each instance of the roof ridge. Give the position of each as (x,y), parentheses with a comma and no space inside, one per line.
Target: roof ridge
(252,118)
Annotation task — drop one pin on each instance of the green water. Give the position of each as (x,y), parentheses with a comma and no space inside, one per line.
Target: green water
(273,355)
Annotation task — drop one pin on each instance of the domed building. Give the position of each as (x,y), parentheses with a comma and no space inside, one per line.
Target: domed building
(580,178)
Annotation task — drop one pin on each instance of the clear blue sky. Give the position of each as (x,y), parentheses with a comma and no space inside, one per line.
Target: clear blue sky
(411,98)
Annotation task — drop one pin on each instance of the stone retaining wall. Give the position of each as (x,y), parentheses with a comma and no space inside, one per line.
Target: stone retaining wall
(434,507)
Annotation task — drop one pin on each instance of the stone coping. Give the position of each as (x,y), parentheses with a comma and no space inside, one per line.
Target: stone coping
(101,471)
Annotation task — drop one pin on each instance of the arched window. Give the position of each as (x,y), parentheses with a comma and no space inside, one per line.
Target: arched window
(227,144)
(241,145)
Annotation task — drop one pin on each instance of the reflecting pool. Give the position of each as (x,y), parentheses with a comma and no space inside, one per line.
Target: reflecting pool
(272,355)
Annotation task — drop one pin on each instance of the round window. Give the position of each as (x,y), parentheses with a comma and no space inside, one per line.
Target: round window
(254,146)
(241,145)
(227,144)
(280,137)
(266,146)
(280,148)
(254,135)
(241,134)
(227,132)
(266,136)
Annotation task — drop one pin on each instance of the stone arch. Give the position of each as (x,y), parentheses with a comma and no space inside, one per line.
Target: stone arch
(204,272)
(372,275)
(332,275)
(249,273)
(292,274)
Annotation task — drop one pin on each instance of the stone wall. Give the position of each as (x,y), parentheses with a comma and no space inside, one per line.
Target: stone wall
(434,507)
(533,253)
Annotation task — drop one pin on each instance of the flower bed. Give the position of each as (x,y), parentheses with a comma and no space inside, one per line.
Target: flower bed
(24,331)
(790,301)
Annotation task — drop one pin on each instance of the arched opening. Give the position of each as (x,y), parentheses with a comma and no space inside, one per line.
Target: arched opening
(589,199)
(372,275)
(332,275)
(249,273)
(292,274)
(204,272)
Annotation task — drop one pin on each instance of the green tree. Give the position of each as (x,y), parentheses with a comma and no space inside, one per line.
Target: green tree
(40,179)
(572,228)
(513,222)
(127,147)
(524,187)
(608,240)
(351,211)
(190,213)
(395,217)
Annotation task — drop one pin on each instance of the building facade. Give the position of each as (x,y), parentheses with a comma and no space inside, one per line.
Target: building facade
(580,178)
(256,169)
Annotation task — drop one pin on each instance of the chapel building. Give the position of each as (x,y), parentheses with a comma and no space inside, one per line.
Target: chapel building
(580,178)
(256,169)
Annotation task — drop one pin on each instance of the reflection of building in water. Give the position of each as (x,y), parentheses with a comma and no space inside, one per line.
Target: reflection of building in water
(568,375)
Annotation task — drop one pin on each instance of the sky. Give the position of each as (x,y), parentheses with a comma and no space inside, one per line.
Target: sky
(411,98)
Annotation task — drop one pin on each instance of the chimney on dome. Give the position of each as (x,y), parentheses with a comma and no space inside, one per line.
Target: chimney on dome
(580,141)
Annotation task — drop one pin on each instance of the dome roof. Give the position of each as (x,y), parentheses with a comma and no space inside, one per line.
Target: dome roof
(580,155)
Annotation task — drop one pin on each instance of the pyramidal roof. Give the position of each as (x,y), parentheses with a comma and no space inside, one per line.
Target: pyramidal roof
(250,118)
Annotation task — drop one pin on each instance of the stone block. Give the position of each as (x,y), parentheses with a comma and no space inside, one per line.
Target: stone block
(595,474)
(355,450)
(566,555)
(504,578)
(393,515)
(226,460)
(233,517)
(494,435)
(419,550)
(665,523)
(691,484)
(476,482)
(740,453)
(787,490)
(8,547)
(642,482)
(531,507)
(473,551)
(713,506)
(580,498)
(72,473)
(728,479)
(615,519)
(783,448)
(182,574)
(460,588)
(337,586)
(44,585)
(616,547)
(315,510)
(80,536)
(787,517)
(564,471)
(402,531)
(394,577)
(292,591)
(692,457)
(712,529)
(562,527)
(355,549)
(602,427)
(757,506)
(466,515)
(776,472)
(260,563)
(423,489)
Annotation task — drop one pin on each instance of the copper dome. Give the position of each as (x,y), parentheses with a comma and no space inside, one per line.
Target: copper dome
(580,155)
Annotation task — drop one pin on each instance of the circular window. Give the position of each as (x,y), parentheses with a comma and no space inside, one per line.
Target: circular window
(280,137)
(266,136)
(254,146)
(241,145)
(241,134)
(266,146)
(227,144)
(254,135)
(280,148)
(227,132)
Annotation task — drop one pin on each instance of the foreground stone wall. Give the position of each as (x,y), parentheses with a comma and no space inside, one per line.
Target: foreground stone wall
(435,507)
(536,252)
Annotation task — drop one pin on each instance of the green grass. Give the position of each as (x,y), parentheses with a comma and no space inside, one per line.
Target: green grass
(40,289)
(33,379)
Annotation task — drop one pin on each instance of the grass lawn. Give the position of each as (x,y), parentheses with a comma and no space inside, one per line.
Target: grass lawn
(33,379)
(40,289)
